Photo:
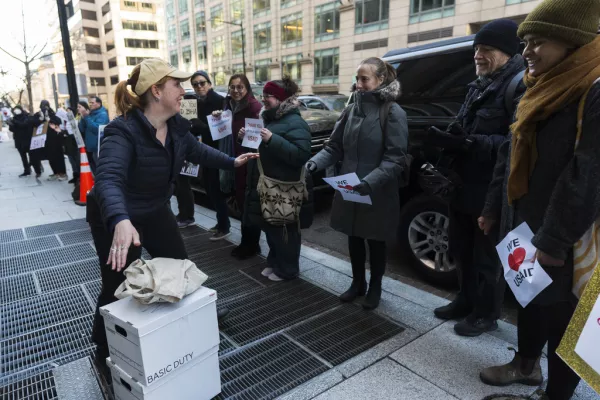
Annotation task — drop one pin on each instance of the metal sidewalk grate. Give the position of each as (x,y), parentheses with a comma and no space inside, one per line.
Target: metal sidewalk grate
(11,235)
(49,344)
(192,230)
(76,237)
(68,275)
(275,308)
(77,380)
(201,244)
(57,227)
(28,246)
(42,311)
(266,370)
(93,289)
(44,259)
(225,345)
(220,260)
(15,288)
(37,387)
(231,284)
(343,333)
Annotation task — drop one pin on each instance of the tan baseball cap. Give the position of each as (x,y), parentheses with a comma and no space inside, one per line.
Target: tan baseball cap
(153,70)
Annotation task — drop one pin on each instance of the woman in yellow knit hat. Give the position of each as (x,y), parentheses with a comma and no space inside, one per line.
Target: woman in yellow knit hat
(551,180)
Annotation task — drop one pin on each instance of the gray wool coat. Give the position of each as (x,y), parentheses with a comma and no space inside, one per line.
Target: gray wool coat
(359,143)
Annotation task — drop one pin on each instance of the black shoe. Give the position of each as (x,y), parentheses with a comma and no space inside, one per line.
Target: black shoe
(104,375)
(25,174)
(357,289)
(243,252)
(456,310)
(371,301)
(222,313)
(475,326)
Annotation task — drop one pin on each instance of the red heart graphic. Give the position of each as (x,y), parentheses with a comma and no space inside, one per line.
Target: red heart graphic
(516,258)
(347,187)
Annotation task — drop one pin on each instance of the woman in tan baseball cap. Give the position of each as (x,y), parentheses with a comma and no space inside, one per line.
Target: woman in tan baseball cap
(141,154)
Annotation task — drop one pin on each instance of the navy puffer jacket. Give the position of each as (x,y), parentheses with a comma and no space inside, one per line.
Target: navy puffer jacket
(134,176)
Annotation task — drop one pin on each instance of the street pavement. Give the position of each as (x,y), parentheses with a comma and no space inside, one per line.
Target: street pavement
(425,361)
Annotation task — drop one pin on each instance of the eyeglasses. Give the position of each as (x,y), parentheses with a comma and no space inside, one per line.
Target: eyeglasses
(237,88)
(199,83)
(266,96)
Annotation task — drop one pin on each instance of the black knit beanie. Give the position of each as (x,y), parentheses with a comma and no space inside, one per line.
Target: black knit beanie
(500,34)
(201,73)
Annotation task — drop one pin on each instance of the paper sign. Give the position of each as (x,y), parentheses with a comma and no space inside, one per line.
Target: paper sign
(220,127)
(41,129)
(189,108)
(189,169)
(37,142)
(526,279)
(75,129)
(587,346)
(252,137)
(344,184)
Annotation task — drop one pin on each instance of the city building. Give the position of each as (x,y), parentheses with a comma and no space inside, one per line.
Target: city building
(317,42)
(108,37)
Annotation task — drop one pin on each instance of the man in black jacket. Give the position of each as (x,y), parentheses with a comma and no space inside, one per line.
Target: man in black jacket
(208,101)
(483,123)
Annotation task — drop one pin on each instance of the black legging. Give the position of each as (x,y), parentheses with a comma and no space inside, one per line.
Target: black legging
(358,256)
(159,235)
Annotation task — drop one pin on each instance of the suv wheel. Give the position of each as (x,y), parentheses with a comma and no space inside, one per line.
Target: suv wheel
(424,239)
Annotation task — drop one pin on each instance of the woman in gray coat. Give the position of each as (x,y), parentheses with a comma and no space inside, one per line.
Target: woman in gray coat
(376,156)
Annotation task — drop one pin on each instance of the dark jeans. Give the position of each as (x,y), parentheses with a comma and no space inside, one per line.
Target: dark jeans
(377,256)
(480,272)
(540,324)
(185,198)
(217,200)
(56,158)
(36,164)
(284,255)
(159,235)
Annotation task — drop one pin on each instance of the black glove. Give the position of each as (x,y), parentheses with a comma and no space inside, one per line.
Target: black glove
(438,138)
(311,167)
(456,129)
(363,188)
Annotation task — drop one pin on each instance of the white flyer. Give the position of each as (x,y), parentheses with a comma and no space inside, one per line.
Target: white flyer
(252,137)
(189,169)
(38,142)
(526,278)
(40,131)
(220,127)
(587,346)
(189,108)
(345,184)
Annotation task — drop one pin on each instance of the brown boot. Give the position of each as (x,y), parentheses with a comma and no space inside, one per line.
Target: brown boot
(519,370)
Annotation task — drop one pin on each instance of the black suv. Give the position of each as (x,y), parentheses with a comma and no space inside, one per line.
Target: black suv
(434,80)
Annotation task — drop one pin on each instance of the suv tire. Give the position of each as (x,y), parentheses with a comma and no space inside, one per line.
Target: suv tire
(423,236)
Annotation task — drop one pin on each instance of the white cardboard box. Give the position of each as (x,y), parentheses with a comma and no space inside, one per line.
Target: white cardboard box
(149,342)
(199,380)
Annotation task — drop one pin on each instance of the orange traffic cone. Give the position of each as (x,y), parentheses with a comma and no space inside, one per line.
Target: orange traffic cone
(86,181)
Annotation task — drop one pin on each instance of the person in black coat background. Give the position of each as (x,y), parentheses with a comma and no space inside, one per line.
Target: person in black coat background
(54,149)
(22,128)
(143,151)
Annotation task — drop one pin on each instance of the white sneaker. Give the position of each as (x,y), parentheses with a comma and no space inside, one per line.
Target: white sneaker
(275,278)
(53,177)
(266,272)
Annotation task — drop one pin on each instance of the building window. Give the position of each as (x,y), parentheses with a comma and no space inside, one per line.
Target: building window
(135,60)
(108,27)
(93,48)
(174,58)
(183,6)
(508,2)
(106,8)
(217,16)
(184,29)
(262,72)
(91,15)
(172,35)
(372,15)
(112,62)
(199,3)
(138,6)
(170,10)
(139,25)
(91,32)
(261,7)
(327,66)
(201,49)
(288,3)
(292,68)
(237,10)
(147,6)
(237,68)
(327,22)
(220,77)
(88,1)
(95,65)
(236,44)
(291,30)
(200,23)
(130,4)
(262,38)
(110,46)
(186,55)
(218,48)
(98,82)
(141,43)
(426,10)
(114,79)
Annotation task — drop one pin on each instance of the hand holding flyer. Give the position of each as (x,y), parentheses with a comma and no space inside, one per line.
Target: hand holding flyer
(220,127)
(345,185)
(252,138)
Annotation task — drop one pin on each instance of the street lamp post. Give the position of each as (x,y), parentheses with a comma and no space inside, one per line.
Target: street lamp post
(241,25)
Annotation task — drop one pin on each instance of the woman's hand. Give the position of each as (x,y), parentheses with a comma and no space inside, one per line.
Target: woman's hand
(124,235)
(547,260)
(217,114)
(486,224)
(241,133)
(244,158)
(266,135)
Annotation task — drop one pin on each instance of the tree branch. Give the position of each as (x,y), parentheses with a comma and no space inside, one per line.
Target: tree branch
(16,58)
(38,53)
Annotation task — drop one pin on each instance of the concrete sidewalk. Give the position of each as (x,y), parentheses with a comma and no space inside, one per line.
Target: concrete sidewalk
(425,361)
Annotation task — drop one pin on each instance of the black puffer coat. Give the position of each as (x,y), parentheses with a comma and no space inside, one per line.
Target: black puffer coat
(135,175)
(22,129)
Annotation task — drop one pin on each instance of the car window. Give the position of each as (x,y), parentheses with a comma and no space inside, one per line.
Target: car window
(336,103)
(315,104)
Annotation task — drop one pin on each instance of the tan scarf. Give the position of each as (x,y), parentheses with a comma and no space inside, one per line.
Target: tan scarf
(545,96)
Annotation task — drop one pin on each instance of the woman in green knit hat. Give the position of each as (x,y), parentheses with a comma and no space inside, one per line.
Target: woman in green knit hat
(551,180)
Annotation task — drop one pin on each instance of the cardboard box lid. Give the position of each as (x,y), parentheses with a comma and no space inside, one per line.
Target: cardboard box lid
(142,319)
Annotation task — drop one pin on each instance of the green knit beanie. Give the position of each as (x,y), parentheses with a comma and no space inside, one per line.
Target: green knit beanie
(572,21)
